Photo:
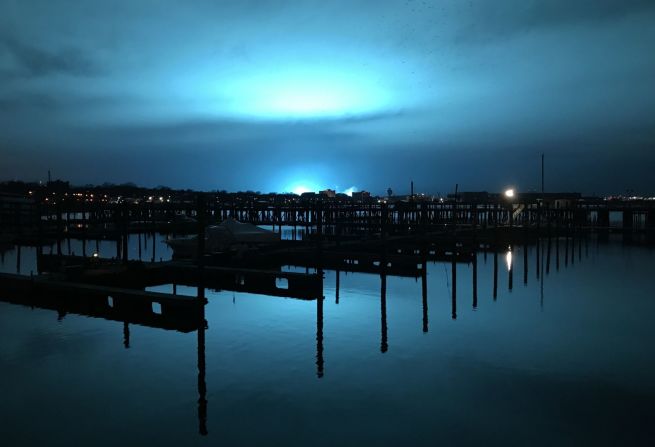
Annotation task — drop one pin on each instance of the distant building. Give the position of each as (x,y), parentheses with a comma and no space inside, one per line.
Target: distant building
(552,199)
(471,196)
(329,193)
(361,196)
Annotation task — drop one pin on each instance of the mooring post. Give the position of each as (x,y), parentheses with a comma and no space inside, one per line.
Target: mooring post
(538,256)
(454,208)
(124,227)
(319,227)
(510,270)
(200,249)
(118,248)
(475,280)
(573,246)
(424,295)
(39,229)
(85,228)
(202,385)
(557,252)
(384,218)
(154,246)
(320,362)
(126,335)
(154,229)
(384,345)
(495,290)
(18,249)
(525,257)
(454,284)
(548,253)
(59,228)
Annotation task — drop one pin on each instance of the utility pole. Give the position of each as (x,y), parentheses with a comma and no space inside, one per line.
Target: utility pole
(542,189)
(542,176)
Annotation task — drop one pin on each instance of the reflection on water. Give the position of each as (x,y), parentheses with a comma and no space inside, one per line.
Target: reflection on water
(145,247)
(381,360)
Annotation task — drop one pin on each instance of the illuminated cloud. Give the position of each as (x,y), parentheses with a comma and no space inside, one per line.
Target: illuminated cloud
(350,190)
(268,95)
(305,93)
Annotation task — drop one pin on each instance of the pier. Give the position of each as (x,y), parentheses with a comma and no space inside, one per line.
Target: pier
(73,215)
(374,236)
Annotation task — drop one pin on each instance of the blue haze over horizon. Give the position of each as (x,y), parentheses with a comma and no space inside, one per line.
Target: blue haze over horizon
(274,95)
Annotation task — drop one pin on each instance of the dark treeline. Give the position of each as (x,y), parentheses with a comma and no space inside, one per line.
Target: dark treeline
(40,190)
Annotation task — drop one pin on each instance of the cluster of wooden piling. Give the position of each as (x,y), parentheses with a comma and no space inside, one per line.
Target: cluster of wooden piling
(340,219)
(114,288)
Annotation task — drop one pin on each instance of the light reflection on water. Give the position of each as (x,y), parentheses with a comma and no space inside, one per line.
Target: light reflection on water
(564,359)
(23,260)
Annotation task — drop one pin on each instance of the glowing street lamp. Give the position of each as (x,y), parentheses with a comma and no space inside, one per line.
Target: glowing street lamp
(509,193)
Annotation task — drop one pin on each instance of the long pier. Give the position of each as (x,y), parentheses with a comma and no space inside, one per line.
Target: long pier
(388,239)
(323,217)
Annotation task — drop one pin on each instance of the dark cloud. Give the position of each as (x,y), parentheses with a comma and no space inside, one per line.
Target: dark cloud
(226,128)
(222,94)
(33,62)
(12,103)
(35,101)
(490,20)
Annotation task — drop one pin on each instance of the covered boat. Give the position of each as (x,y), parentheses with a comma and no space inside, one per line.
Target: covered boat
(228,234)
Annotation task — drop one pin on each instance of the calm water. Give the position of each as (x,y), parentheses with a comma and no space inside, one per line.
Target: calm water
(566,361)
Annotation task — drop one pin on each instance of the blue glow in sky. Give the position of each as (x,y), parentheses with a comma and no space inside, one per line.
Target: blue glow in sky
(257,94)
(305,93)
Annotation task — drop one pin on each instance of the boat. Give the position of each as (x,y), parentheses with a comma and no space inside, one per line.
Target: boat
(229,234)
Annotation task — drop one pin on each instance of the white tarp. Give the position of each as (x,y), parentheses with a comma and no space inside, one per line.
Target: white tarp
(221,237)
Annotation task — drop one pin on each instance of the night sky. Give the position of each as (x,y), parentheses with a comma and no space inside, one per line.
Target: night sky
(280,95)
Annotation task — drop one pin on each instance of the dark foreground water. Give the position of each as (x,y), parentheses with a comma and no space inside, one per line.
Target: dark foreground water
(566,361)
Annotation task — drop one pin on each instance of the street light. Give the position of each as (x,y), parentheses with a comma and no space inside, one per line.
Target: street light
(509,193)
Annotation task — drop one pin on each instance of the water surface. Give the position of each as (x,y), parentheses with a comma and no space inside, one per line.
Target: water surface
(565,359)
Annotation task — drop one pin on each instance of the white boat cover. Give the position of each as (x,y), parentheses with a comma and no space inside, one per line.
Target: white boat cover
(221,237)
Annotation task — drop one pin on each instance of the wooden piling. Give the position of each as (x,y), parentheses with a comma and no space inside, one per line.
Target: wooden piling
(453,268)
(495,289)
(384,345)
(475,280)
(424,296)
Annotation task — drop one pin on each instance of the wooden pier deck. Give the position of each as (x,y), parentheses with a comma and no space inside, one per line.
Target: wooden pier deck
(175,312)
(139,275)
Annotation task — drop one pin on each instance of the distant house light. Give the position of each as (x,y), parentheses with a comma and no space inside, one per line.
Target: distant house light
(509,193)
